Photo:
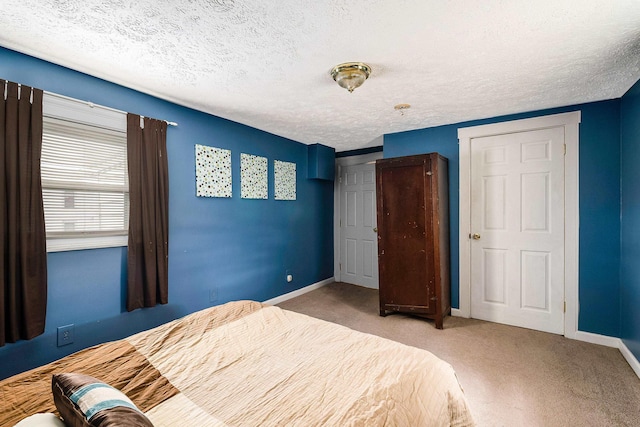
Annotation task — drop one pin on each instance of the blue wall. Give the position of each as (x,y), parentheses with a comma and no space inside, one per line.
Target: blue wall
(630,228)
(241,248)
(599,164)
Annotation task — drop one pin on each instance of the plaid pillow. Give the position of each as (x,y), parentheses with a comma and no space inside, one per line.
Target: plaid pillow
(85,401)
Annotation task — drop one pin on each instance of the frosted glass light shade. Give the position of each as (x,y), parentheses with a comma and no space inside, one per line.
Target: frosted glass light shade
(350,75)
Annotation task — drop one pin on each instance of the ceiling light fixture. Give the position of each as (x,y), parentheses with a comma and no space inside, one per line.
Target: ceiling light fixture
(350,75)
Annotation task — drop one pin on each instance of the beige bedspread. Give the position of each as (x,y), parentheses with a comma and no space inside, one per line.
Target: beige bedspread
(245,364)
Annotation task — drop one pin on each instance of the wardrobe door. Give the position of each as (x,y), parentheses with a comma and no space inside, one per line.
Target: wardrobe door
(405,239)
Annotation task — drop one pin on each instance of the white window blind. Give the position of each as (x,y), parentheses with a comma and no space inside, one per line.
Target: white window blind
(84,182)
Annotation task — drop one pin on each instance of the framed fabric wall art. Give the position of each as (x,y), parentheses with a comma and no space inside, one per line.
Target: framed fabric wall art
(284,180)
(213,172)
(253,177)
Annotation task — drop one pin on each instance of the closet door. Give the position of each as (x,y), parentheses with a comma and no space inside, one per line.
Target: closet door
(405,240)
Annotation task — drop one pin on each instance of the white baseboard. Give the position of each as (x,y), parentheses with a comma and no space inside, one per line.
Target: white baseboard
(611,342)
(456,312)
(298,292)
(631,359)
(598,339)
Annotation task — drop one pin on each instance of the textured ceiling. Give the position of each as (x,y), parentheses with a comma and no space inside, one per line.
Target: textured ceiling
(266,63)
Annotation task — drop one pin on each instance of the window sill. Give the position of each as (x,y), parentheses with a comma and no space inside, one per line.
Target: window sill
(81,243)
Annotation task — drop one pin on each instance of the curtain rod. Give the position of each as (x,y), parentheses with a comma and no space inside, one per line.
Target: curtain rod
(91,105)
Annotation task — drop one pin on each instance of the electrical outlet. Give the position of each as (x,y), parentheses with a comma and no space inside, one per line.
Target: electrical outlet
(65,334)
(213,294)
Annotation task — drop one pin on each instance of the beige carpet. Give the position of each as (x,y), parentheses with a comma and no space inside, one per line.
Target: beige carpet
(511,376)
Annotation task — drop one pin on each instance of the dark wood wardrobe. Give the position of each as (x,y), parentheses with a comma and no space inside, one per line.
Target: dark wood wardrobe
(413,236)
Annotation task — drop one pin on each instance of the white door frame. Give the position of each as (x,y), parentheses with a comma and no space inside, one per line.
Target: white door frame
(340,163)
(570,122)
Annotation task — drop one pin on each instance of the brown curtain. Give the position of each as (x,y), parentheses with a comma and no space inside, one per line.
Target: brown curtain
(148,251)
(23,253)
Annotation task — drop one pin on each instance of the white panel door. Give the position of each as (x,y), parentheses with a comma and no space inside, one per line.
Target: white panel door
(517,229)
(358,238)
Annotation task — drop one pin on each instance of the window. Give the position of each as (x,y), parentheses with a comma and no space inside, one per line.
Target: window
(84,175)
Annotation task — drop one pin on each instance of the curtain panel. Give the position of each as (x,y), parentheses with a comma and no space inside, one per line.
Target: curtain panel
(23,254)
(148,251)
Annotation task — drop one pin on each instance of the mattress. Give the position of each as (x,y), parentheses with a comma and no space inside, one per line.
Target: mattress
(249,364)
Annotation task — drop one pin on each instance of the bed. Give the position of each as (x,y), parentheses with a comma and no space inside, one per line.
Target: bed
(249,364)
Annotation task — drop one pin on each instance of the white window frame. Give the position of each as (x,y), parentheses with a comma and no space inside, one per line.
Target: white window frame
(73,110)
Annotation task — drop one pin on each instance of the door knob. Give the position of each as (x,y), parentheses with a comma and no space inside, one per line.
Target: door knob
(475,236)
(375,230)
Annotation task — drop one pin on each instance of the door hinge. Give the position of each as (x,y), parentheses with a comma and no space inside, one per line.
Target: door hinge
(565,307)
(565,149)
(340,266)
